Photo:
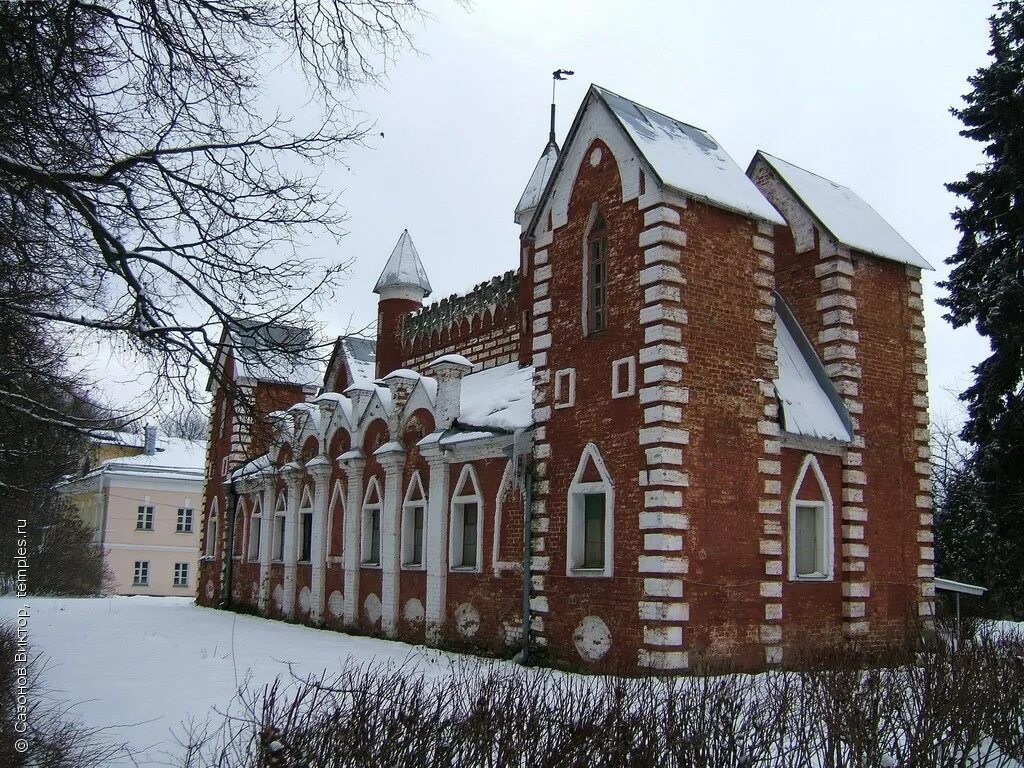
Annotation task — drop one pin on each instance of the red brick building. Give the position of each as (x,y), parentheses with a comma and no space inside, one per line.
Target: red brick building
(690,425)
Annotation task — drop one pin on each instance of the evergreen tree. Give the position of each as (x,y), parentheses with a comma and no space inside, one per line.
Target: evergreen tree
(986,288)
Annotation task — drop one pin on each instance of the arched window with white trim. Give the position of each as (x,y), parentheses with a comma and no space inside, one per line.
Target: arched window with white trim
(414,518)
(372,506)
(255,531)
(811,535)
(591,507)
(210,549)
(277,551)
(305,542)
(336,522)
(595,275)
(465,529)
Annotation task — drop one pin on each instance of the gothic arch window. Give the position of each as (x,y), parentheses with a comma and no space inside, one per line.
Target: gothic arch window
(595,275)
(465,531)
(372,506)
(255,531)
(277,550)
(591,508)
(305,542)
(414,518)
(811,536)
(336,510)
(210,548)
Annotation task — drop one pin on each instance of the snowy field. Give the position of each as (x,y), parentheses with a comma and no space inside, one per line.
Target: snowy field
(141,666)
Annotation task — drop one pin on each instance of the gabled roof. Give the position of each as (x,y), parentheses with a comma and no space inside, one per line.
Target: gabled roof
(273,353)
(810,405)
(842,213)
(531,196)
(687,158)
(404,268)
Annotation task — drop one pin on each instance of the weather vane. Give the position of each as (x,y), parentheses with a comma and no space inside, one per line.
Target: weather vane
(558,74)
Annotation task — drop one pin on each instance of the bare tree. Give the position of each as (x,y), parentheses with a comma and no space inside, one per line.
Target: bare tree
(189,421)
(148,193)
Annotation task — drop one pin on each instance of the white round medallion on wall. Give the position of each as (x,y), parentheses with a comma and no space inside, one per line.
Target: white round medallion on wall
(336,604)
(209,589)
(413,611)
(467,620)
(592,638)
(595,157)
(305,599)
(278,596)
(372,607)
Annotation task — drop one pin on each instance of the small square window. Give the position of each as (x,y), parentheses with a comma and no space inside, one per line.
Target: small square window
(624,377)
(141,575)
(181,574)
(184,520)
(144,521)
(565,388)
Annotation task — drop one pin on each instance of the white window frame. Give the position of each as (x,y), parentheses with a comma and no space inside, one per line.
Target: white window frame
(277,532)
(255,534)
(180,575)
(145,515)
(409,507)
(566,377)
(140,576)
(618,390)
(575,534)
(826,513)
(224,466)
(305,508)
(210,545)
(366,524)
(186,520)
(456,521)
(337,503)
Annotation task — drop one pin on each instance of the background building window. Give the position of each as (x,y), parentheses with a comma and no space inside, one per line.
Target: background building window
(141,576)
(144,522)
(181,574)
(184,520)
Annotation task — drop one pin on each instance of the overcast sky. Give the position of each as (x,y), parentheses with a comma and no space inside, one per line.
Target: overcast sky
(857,92)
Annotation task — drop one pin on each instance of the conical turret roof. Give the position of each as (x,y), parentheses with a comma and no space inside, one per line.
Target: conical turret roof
(538,180)
(404,268)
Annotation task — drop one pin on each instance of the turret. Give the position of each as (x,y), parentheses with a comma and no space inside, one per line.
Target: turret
(402,286)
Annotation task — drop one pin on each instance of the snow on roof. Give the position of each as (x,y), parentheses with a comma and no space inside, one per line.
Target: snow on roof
(809,403)
(456,359)
(276,353)
(360,356)
(404,268)
(498,398)
(538,179)
(845,215)
(174,457)
(688,159)
(402,373)
(252,467)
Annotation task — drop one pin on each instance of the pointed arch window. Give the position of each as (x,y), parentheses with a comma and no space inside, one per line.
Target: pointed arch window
(210,549)
(278,532)
(255,531)
(465,533)
(305,542)
(591,507)
(596,280)
(414,517)
(372,506)
(811,544)
(336,512)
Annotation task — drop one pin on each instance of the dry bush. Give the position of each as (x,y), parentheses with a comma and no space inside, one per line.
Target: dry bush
(958,705)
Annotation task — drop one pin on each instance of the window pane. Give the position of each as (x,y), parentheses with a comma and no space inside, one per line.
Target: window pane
(374,536)
(307,537)
(255,531)
(469,523)
(807,542)
(417,536)
(593,530)
(279,544)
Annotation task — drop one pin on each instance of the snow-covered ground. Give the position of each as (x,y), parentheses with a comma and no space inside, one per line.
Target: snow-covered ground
(141,666)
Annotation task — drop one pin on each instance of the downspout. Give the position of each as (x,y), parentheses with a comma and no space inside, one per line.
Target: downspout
(524,654)
(229,545)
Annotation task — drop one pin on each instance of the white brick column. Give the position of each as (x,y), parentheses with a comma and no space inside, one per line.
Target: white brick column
(320,468)
(293,475)
(390,532)
(769,466)
(663,521)
(353,466)
(436,543)
(922,466)
(269,480)
(839,342)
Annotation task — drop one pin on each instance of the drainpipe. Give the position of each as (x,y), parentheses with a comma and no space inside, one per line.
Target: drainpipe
(524,654)
(229,545)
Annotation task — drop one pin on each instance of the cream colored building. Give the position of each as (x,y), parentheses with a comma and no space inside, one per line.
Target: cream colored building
(145,511)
